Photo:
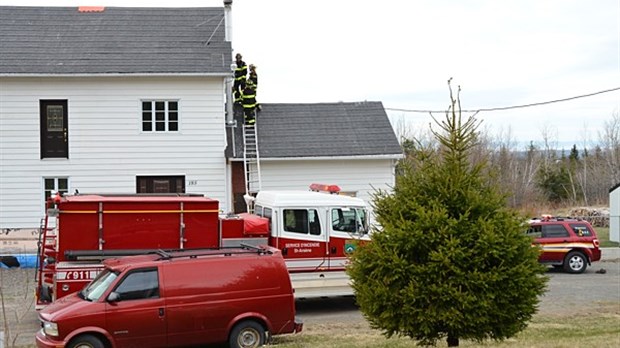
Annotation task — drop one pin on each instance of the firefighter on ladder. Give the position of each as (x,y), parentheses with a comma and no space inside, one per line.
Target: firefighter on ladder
(253,78)
(248,101)
(241,72)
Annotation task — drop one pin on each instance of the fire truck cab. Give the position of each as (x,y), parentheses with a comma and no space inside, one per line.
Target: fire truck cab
(315,231)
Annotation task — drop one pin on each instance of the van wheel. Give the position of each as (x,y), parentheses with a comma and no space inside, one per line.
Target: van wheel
(575,262)
(247,334)
(86,341)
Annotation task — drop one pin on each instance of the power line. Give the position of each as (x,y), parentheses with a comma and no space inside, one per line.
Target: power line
(513,106)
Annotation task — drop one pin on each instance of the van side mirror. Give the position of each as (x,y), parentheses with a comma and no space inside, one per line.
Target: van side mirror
(114,297)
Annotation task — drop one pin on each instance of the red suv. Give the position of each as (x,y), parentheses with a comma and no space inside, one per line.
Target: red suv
(565,243)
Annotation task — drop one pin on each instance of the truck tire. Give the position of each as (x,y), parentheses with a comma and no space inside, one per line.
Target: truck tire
(575,262)
(247,334)
(86,341)
(45,294)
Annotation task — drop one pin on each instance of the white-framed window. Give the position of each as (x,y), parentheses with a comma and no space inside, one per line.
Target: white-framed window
(160,115)
(60,185)
(303,221)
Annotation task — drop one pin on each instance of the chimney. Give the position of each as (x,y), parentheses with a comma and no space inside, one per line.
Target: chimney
(228,20)
(85,9)
(229,80)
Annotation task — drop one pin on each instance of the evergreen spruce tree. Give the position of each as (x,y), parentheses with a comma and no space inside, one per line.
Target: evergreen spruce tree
(449,260)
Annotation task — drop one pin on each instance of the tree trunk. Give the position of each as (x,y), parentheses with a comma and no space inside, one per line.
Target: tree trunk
(452,341)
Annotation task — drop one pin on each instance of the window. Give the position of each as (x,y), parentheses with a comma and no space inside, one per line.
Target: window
(535,231)
(305,221)
(139,285)
(99,285)
(160,116)
(581,230)
(554,231)
(267,212)
(160,184)
(60,185)
(351,220)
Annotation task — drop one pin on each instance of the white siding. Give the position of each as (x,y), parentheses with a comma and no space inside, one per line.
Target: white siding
(361,176)
(107,148)
(614,215)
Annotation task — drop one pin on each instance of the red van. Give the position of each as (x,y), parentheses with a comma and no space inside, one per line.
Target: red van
(170,299)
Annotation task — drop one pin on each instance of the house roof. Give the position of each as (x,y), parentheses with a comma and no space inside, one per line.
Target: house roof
(322,130)
(65,41)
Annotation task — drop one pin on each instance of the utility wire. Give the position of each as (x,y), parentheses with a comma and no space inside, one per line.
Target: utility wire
(514,106)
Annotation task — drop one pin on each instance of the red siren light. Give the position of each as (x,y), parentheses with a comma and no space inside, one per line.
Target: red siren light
(56,197)
(333,189)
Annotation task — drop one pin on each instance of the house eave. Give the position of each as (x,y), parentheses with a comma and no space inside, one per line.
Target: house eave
(326,158)
(116,75)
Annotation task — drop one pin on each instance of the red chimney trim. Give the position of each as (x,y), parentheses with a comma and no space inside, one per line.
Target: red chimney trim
(91,9)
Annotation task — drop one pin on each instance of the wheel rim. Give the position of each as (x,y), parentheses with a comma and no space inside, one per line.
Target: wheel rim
(249,338)
(83,345)
(576,263)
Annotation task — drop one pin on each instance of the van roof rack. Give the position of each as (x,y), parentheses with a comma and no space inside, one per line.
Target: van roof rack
(258,249)
(226,251)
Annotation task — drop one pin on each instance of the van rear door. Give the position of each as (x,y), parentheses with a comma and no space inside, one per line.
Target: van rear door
(135,313)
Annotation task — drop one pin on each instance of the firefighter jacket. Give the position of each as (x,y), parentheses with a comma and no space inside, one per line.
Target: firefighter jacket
(240,72)
(248,97)
(253,78)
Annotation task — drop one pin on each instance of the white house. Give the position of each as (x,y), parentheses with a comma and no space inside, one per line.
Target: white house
(132,100)
(109,100)
(614,213)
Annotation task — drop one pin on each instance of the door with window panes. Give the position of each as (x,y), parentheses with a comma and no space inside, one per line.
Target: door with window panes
(138,317)
(348,226)
(54,127)
(302,238)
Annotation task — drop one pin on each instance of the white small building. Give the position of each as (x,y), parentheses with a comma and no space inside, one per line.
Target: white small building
(614,213)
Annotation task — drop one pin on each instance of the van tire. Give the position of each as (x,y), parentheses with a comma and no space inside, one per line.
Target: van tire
(247,334)
(86,341)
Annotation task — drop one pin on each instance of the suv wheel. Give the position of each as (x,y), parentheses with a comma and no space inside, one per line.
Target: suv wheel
(575,262)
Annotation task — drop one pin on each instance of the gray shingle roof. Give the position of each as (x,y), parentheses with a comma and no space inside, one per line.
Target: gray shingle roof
(323,130)
(61,40)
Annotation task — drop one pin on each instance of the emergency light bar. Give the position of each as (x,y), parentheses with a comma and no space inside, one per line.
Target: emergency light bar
(333,189)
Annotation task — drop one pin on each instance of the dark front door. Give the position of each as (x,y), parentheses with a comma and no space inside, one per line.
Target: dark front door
(54,129)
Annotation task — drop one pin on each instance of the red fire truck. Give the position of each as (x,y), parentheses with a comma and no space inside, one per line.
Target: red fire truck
(314,230)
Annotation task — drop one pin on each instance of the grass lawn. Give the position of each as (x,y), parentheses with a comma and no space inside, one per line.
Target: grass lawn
(601,330)
(603,236)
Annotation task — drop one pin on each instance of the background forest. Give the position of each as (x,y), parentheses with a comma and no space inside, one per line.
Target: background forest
(542,176)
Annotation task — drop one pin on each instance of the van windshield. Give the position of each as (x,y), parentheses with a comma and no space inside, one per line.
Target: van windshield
(94,290)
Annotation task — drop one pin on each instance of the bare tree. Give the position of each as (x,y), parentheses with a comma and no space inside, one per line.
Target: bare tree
(610,140)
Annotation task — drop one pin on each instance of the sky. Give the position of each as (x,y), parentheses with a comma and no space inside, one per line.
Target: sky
(403,52)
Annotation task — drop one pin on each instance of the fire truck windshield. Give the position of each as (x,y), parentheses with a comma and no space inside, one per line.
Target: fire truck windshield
(94,290)
(350,219)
